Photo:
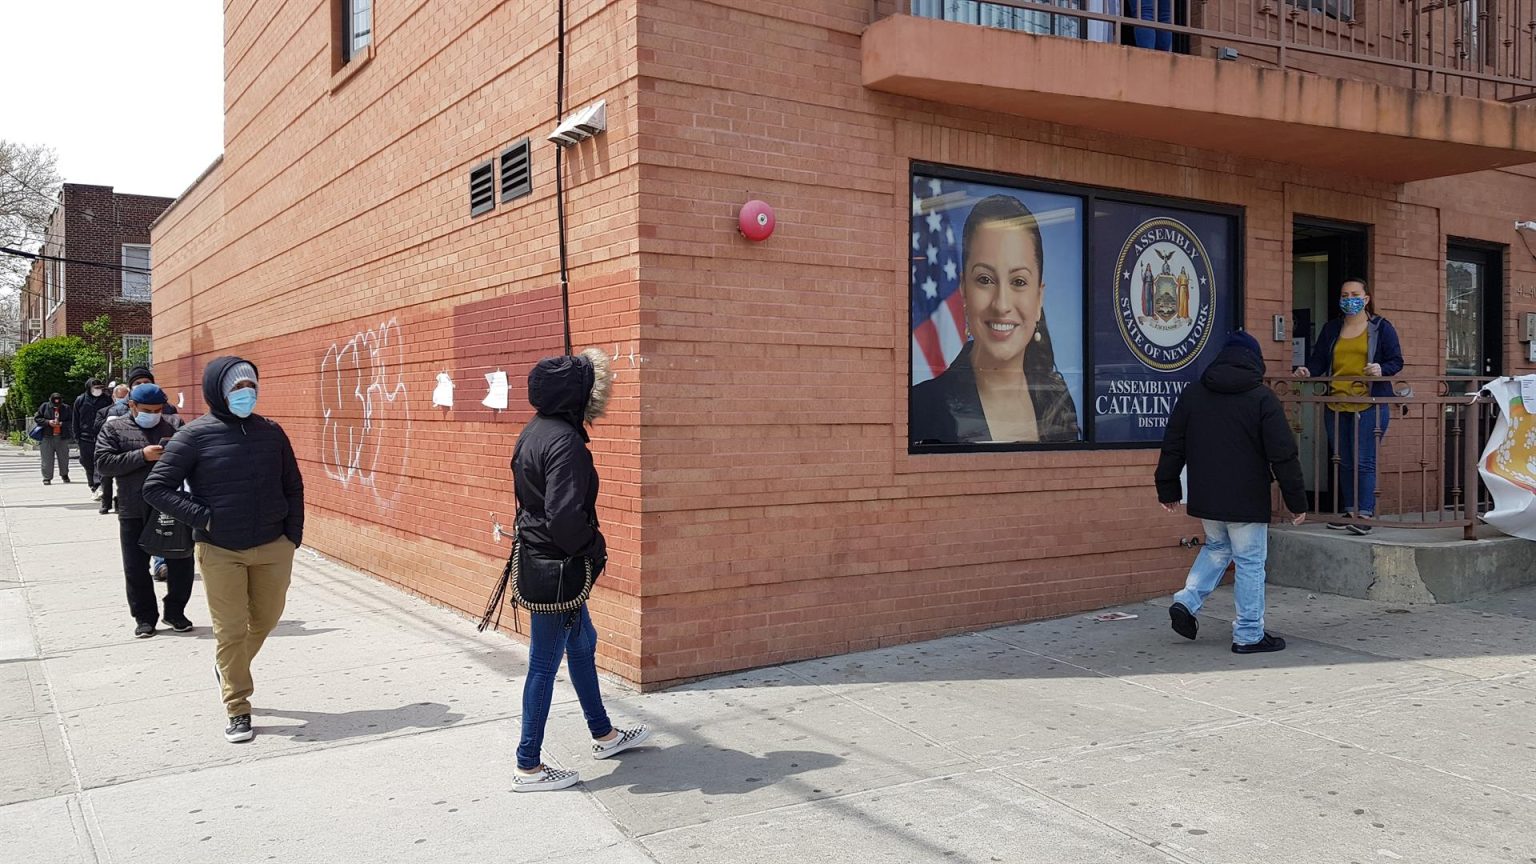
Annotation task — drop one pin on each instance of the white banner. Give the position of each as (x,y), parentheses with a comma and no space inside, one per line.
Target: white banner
(1508,464)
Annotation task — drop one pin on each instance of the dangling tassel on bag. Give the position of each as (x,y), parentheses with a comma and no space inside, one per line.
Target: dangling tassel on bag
(499,593)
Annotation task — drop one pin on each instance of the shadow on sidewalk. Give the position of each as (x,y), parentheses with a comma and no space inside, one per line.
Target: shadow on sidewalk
(285,627)
(710,770)
(320,726)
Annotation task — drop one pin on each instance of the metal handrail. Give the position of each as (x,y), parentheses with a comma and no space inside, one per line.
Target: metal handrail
(1432,45)
(1452,429)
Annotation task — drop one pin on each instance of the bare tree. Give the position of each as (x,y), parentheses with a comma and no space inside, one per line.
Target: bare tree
(29,189)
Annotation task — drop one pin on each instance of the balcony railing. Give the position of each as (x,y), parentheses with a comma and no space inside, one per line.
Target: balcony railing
(1478,48)
(1426,458)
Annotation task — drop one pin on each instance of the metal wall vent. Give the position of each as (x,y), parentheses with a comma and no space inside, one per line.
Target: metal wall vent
(516,171)
(482,189)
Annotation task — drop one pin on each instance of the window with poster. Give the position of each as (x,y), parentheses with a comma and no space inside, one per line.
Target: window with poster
(1050,316)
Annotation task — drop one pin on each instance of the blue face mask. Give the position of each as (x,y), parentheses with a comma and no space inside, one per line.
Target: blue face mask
(242,402)
(146,420)
(122,401)
(1352,305)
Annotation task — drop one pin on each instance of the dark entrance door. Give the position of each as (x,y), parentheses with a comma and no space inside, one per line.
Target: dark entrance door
(1474,337)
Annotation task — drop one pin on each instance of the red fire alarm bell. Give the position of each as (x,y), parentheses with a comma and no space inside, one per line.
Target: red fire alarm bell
(756,221)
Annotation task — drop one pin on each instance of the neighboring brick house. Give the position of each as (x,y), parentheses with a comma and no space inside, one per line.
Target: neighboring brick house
(370,226)
(91,227)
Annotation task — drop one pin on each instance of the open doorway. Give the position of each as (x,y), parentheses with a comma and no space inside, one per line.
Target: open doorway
(1323,255)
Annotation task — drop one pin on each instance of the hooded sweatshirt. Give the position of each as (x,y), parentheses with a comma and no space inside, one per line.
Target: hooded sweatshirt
(1230,431)
(55,408)
(246,487)
(552,471)
(87,407)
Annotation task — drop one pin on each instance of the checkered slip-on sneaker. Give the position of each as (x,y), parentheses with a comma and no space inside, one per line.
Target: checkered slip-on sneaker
(626,739)
(546,780)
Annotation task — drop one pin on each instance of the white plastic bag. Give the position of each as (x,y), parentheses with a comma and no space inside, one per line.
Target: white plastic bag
(1508,463)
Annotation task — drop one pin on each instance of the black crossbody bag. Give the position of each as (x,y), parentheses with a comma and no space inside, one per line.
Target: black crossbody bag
(544,585)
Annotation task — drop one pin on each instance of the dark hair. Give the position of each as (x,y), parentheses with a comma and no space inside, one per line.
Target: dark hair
(1003,208)
(1047,388)
(1370,308)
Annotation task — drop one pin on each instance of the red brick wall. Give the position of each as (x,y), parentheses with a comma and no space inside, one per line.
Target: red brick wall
(98,222)
(333,245)
(758,496)
(784,517)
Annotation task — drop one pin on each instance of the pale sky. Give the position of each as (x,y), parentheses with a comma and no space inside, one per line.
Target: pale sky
(128,93)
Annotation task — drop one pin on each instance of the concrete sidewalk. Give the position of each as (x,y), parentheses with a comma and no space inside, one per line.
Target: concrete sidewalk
(386,729)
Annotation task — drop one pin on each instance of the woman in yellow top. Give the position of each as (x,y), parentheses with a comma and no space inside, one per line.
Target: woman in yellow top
(1362,345)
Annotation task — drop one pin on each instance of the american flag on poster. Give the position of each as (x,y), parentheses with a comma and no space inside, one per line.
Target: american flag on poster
(938,313)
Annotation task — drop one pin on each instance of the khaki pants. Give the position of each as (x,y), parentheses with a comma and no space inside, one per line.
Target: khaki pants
(247,590)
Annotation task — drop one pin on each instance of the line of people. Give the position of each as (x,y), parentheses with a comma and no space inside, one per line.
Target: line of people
(232,476)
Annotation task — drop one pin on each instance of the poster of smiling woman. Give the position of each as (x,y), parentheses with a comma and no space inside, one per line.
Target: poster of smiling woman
(997,314)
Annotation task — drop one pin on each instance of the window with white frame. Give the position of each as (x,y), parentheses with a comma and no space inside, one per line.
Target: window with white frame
(136,271)
(356,28)
(137,350)
(53,279)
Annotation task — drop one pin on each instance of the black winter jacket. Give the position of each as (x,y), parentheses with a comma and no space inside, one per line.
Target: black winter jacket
(246,486)
(1231,432)
(120,453)
(552,471)
(87,409)
(47,411)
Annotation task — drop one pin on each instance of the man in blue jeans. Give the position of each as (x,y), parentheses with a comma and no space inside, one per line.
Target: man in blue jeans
(1230,432)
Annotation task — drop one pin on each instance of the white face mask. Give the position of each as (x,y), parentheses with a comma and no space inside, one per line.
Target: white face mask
(97,391)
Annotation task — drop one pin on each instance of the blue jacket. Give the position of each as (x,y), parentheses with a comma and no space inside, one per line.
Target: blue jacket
(1381,346)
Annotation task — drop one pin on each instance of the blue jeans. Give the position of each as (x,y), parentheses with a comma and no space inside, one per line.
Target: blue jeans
(1360,433)
(548,639)
(1247,543)
(1160,11)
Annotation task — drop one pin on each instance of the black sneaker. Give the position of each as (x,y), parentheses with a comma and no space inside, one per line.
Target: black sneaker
(1360,530)
(144,630)
(1266,645)
(239,729)
(66,479)
(47,482)
(1184,622)
(1341,526)
(180,625)
(104,511)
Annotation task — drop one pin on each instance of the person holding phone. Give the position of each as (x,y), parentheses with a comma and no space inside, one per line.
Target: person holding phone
(127,448)
(54,418)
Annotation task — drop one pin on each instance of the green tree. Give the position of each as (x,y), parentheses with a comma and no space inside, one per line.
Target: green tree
(57,365)
(105,341)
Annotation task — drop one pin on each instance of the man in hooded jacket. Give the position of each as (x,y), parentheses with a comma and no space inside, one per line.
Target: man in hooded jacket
(88,406)
(246,509)
(57,423)
(1230,431)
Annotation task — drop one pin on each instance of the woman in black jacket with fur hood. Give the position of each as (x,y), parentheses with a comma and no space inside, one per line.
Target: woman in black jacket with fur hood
(556,486)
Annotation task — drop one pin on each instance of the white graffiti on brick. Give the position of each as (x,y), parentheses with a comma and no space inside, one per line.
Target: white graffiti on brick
(366,415)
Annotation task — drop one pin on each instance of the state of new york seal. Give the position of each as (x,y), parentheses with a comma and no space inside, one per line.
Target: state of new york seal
(1163,294)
